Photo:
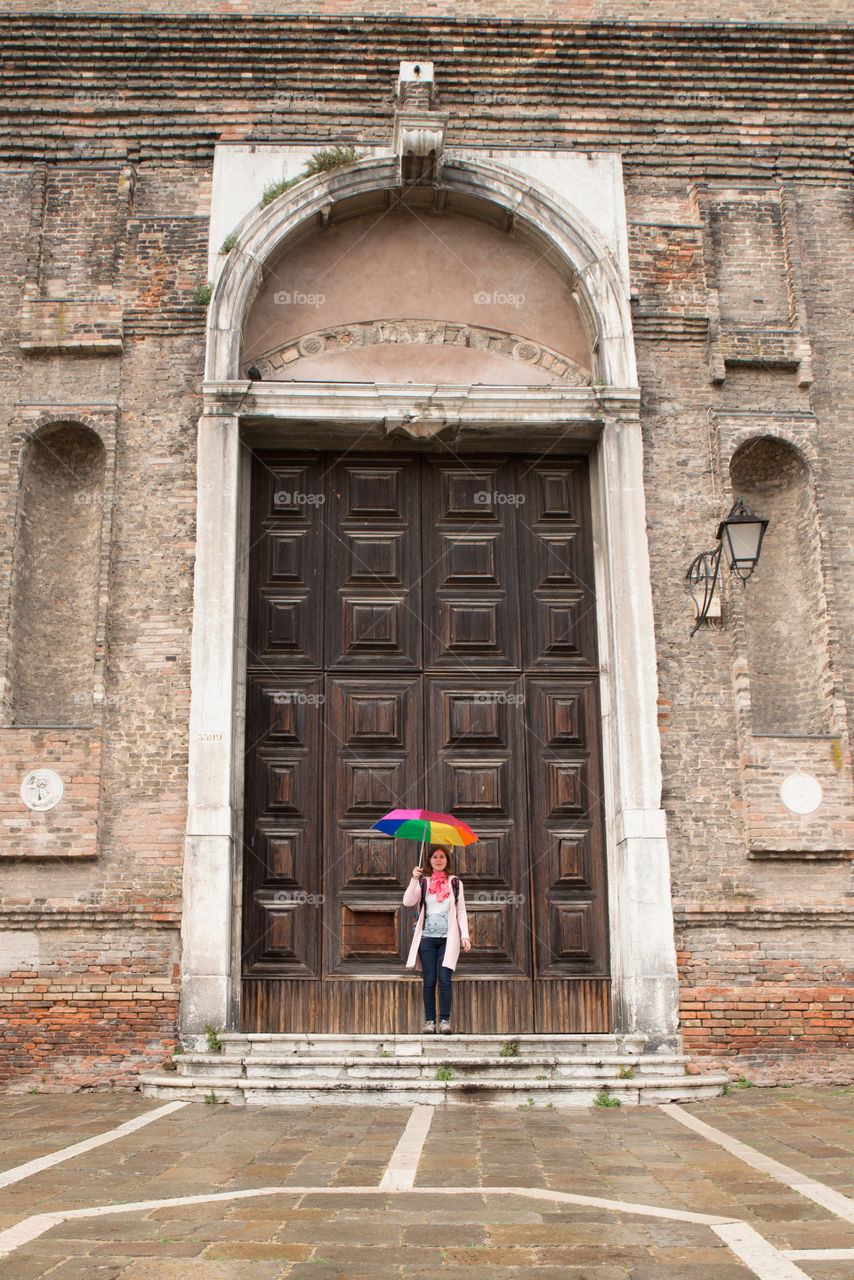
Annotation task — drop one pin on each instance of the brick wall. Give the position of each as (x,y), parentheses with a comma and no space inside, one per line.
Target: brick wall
(86,998)
(90,962)
(763,991)
(715,100)
(766,999)
(90,892)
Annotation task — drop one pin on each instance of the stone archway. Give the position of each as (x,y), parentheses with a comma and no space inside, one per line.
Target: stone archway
(602,416)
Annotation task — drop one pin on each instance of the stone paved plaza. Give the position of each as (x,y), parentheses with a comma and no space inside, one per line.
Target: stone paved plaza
(298,1193)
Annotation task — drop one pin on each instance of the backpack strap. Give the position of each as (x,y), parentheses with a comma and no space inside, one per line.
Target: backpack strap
(455,885)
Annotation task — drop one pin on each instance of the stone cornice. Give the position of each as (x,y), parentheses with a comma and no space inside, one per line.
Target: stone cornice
(88,918)
(764,917)
(364,403)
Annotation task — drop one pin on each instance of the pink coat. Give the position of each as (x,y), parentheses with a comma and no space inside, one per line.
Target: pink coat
(458,926)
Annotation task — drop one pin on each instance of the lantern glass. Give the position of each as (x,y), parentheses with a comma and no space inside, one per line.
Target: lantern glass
(741,535)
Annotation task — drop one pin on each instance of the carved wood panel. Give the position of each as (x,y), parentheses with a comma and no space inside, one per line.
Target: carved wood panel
(287,564)
(474,752)
(566,834)
(373,602)
(471,616)
(557,566)
(282,893)
(373,764)
(422,633)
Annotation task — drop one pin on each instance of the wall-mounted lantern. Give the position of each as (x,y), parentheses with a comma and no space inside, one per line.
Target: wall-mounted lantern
(740,541)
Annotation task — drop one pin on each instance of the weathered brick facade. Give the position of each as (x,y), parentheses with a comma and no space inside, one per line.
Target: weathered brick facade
(735,135)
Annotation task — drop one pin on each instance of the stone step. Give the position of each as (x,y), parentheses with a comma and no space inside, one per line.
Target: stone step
(307,1069)
(329,1067)
(285,1045)
(390,1090)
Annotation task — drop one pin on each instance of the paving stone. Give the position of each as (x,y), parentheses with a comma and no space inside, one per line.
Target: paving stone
(811,1235)
(648,1157)
(548,1272)
(194,1227)
(579,1213)
(589,1255)
(26,1265)
(828,1270)
(258,1250)
(331,1202)
(430,1234)
(149,1249)
(484,1255)
(200,1269)
(362,1231)
(686,1271)
(677,1233)
(369,1261)
(85,1269)
(568,1233)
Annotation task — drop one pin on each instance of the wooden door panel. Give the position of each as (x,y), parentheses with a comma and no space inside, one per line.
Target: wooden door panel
(373,764)
(556,565)
(373,601)
(477,694)
(471,617)
(281,870)
(566,840)
(286,564)
(474,746)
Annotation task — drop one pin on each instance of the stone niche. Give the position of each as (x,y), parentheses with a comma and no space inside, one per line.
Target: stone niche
(412,295)
(796,770)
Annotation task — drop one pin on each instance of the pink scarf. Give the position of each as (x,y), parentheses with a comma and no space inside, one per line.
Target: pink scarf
(439,886)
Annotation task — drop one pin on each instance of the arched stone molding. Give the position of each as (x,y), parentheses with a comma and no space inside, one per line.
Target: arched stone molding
(604,417)
(554,366)
(568,240)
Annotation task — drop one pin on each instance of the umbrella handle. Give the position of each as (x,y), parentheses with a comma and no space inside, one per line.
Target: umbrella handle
(421,854)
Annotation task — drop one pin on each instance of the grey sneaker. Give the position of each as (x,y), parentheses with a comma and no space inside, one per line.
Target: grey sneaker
(444,1027)
(429,1029)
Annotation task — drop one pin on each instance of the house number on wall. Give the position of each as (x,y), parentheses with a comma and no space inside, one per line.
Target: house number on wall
(42,789)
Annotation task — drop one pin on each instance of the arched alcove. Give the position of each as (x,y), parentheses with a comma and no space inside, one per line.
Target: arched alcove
(56,571)
(538,233)
(784,606)
(416,296)
(589,410)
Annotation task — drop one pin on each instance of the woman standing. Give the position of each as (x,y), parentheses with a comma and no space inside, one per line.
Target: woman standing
(441,929)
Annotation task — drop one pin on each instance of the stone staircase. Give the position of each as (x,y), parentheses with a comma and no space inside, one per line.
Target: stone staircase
(525,1070)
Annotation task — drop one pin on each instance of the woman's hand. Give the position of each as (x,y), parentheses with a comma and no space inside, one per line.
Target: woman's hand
(417,873)
(466,944)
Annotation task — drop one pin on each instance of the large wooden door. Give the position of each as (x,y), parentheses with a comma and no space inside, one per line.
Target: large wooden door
(422,634)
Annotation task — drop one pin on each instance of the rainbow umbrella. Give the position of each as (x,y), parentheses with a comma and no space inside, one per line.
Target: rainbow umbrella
(421,824)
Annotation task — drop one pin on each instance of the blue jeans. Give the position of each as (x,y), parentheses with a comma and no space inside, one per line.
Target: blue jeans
(432,953)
